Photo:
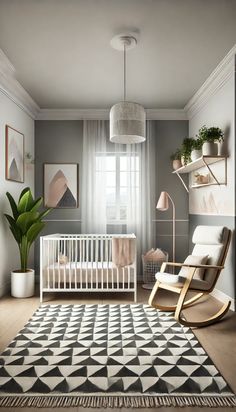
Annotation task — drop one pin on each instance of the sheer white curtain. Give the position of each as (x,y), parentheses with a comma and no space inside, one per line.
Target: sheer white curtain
(141,191)
(93,177)
(140,186)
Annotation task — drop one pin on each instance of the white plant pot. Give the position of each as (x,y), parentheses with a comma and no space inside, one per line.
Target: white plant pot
(22,284)
(195,154)
(209,149)
(176,164)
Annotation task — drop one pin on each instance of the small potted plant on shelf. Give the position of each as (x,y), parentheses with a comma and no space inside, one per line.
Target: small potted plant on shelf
(196,149)
(210,137)
(176,159)
(25,225)
(186,150)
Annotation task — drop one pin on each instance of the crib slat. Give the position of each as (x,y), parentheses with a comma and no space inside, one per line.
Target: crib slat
(53,254)
(64,251)
(91,260)
(87,249)
(101,251)
(58,264)
(48,265)
(80,261)
(106,259)
(76,259)
(70,259)
(129,277)
(110,261)
(97,243)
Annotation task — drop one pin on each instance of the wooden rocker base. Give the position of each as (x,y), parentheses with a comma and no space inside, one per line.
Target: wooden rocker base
(209,321)
(182,304)
(171,308)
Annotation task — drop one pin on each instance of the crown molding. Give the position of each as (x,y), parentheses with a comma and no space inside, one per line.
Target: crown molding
(10,87)
(217,79)
(103,114)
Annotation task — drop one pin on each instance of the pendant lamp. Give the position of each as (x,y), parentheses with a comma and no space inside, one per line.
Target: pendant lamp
(127,119)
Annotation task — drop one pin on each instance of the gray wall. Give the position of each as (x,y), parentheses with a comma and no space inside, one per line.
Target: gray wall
(58,142)
(169,136)
(61,142)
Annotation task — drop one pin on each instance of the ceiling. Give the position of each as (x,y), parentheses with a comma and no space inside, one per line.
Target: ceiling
(62,55)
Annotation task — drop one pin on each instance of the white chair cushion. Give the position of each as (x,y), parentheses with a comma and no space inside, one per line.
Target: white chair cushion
(208,235)
(194,260)
(178,281)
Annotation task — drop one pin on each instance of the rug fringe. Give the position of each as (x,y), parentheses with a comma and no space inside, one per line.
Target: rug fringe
(116,401)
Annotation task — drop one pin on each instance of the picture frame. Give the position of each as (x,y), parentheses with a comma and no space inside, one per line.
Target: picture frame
(14,155)
(60,185)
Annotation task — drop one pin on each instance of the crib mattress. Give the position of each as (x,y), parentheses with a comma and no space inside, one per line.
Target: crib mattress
(84,273)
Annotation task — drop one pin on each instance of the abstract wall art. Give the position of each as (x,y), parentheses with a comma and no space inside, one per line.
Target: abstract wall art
(14,155)
(61,185)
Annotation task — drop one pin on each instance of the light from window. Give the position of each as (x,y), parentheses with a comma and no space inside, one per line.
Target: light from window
(121,175)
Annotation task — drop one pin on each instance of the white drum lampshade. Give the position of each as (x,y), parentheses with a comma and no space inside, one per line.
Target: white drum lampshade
(127,123)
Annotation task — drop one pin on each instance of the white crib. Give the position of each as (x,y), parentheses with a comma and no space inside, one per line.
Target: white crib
(85,263)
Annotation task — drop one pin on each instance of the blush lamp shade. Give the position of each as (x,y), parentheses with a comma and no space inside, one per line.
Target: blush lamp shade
(163,205)
(163,202)
(127,123)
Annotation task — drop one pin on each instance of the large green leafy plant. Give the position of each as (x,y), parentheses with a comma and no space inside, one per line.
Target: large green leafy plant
(25,222)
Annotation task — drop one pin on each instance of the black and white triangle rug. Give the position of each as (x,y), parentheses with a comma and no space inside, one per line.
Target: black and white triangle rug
(108,356)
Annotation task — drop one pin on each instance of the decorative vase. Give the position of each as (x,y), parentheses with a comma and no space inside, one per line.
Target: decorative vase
(209,149)
(22,283)
(176,164)
(195,154)
(220,148)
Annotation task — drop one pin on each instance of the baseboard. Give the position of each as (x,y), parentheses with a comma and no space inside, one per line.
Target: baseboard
(216,293)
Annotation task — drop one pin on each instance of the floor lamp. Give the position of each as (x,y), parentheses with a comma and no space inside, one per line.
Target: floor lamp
(163,205)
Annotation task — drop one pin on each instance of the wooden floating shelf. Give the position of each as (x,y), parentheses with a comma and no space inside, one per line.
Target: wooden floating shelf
(205,184)
(197,164)
(203,161)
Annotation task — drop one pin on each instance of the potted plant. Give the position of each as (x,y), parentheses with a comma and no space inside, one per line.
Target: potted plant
(176,159)
(25,225)
(196,149)
(210,136)
(186,149)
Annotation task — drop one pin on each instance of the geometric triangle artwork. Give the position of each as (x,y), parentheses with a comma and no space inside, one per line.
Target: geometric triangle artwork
(83,354)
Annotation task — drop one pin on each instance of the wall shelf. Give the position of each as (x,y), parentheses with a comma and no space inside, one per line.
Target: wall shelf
(204,161)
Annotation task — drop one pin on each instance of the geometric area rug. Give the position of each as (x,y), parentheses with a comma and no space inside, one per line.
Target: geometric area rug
(108,356)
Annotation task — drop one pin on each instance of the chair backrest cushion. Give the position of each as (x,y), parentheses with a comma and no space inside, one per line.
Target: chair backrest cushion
(211,241)
(194,260)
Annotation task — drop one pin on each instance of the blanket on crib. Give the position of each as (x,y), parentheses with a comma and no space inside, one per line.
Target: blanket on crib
(123,252)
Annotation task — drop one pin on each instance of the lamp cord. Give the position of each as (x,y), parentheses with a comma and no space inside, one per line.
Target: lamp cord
(124,72)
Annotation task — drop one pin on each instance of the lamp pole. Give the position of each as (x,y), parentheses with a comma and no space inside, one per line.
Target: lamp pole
(173,227)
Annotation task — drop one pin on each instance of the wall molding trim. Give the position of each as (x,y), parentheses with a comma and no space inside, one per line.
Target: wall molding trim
(103,114)
(10,87)
(215,81)
(216,293)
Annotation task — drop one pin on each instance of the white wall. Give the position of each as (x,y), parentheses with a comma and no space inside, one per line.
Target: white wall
(215,205)
(219,111)
(14,116)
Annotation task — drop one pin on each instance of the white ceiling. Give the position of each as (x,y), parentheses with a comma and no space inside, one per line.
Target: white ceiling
(62,55)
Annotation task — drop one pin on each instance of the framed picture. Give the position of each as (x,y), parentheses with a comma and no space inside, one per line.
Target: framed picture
(14,155)
(61,185)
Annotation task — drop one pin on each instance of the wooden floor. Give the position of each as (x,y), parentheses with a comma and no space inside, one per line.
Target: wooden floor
(218,340)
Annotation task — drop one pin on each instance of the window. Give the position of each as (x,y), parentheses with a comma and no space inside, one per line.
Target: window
(121,173)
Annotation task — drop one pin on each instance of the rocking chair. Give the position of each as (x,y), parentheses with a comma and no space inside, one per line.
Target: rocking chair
(199,273)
